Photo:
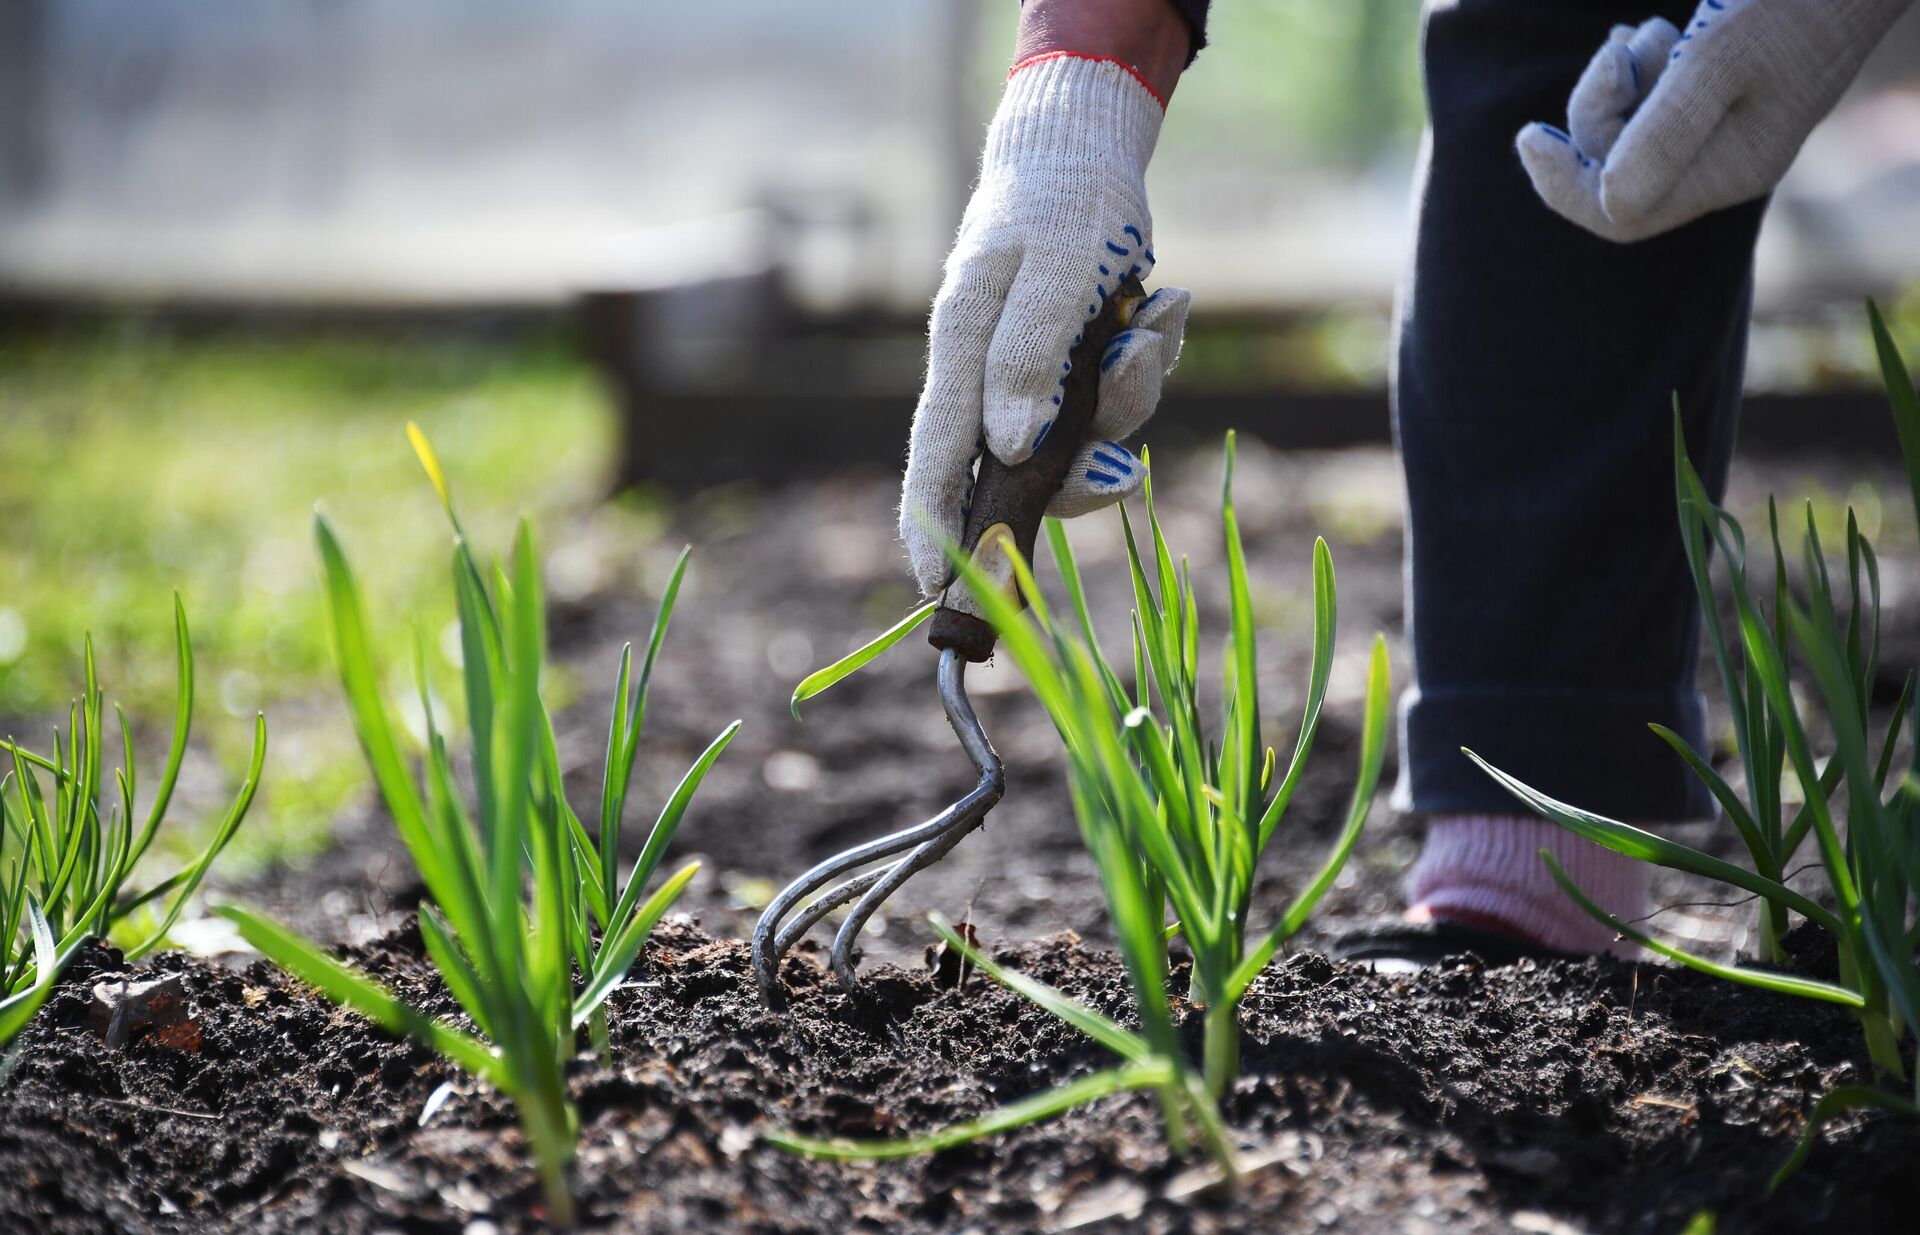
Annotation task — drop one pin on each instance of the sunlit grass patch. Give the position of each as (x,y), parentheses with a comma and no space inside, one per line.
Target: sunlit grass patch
(71,840)
(134,465)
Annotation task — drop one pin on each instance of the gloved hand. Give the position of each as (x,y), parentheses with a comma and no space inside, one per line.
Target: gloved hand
(1059,219)
(1667,125)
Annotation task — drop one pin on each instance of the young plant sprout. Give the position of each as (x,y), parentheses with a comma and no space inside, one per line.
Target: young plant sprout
(68,850)
(519,892)
(1873,869)
(1175,818)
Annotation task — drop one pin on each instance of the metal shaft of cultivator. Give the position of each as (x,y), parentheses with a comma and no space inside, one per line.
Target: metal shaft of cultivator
(924,844)
(1005,512)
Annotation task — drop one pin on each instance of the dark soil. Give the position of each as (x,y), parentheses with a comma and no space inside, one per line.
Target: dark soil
(1598,1096)
(1574,1096)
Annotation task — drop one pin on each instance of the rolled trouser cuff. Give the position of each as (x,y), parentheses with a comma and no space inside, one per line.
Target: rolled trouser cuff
(1585,748)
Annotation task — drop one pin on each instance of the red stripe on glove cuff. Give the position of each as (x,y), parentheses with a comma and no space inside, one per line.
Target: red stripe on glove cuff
(1132,72)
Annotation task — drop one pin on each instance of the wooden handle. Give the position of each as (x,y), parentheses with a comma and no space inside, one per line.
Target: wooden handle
(1010,502)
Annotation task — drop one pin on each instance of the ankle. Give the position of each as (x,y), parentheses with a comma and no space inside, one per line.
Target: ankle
(1485,871)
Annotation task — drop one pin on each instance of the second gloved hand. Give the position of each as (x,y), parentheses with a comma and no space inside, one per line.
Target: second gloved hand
(1668,125)
(1059,219)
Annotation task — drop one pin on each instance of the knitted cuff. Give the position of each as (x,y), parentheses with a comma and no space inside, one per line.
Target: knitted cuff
(1489,867)
(1064,107)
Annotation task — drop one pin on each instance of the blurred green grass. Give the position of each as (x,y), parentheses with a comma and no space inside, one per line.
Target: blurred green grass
(135,463)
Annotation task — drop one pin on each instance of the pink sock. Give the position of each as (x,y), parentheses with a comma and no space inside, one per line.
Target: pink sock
(1485,870)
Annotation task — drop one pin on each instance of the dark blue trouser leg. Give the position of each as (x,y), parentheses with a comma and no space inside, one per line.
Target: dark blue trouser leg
(1549,605)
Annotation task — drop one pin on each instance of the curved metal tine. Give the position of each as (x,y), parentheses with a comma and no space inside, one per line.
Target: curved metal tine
(965,815)
(767,953)
(889,883)
(824,904)
(965,725)
(930,841)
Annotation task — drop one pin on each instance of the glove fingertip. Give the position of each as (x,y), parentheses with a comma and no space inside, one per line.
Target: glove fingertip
(1651,48)
(1164,308)
(926,533)
(928,559)
(1103,473)
(1110,466)
(1130,382)
(1566,180)
(1548,153)
(1014,433)
(1025,384)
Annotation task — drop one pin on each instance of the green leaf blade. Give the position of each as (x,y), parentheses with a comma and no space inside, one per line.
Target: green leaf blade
(822,679)
(1043,1105)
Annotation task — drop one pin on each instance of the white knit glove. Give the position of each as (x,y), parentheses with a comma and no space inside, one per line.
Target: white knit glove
(1666,125)
(1059,219)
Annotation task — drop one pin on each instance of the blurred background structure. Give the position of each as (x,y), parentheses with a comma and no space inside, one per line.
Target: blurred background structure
(677,253)
(750,200)
(446,152)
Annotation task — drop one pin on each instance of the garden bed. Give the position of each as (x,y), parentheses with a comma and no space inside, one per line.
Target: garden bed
(1602,1095)
(1575,1096)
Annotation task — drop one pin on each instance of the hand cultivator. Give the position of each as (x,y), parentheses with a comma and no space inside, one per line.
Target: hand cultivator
(1008,505)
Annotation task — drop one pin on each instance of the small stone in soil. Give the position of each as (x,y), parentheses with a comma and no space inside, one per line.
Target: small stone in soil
(119,1007)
